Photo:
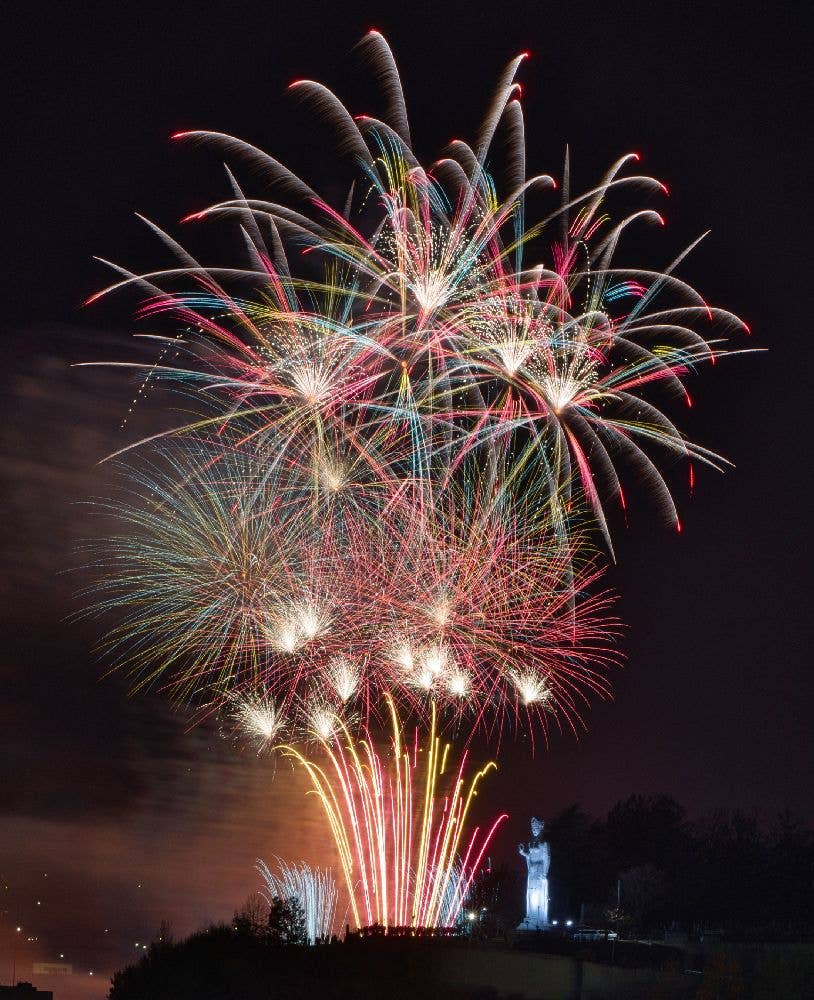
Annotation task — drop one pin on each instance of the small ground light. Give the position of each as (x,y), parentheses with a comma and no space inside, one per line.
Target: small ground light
(568,923)
(555,922)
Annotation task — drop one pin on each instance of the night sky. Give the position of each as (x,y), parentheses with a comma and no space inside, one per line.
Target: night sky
(112,815)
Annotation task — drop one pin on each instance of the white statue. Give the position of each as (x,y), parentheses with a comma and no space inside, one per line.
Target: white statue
(538,858)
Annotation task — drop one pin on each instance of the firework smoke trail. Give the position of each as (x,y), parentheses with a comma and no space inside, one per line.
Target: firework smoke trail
(406,853)
(314,890)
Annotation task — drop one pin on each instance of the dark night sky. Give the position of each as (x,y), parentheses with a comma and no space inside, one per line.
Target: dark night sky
(133,819)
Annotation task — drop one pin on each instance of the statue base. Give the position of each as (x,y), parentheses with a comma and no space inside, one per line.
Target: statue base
(533,925)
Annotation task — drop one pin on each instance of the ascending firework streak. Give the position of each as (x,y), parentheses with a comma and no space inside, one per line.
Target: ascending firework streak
(400,827)
(312,888)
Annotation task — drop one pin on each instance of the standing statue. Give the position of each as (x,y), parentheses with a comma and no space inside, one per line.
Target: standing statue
(538,858)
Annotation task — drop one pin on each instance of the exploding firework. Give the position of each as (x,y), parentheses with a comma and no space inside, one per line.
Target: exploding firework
(410,413)
(312,888)
(256,720)
(438,327)
(238,602)
(400,825)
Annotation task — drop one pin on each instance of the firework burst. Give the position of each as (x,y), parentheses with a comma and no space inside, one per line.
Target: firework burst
(236,598)
(412,410)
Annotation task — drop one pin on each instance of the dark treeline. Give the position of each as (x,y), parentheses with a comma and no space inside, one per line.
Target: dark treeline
(269,960)
(642,870)
(645,869)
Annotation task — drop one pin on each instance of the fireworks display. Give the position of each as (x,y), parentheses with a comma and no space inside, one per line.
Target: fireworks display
(410,418)
(410,412)
(400,825)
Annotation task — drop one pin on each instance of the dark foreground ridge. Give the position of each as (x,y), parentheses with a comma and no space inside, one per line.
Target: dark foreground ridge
(225,963)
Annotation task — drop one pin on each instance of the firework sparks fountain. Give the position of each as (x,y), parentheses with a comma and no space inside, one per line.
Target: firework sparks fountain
(400,825)
(313,889)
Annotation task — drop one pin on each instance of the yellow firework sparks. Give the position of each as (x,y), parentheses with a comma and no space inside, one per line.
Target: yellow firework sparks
(400,825)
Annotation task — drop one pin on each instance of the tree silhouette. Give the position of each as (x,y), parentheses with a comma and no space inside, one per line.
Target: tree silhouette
(286,922)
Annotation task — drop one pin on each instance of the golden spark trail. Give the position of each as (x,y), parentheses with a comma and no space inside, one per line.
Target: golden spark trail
(377,830)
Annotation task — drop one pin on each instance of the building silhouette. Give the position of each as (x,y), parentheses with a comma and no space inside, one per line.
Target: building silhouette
(25,990)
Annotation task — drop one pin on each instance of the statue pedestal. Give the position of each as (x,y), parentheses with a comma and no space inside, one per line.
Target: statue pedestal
(528,925)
